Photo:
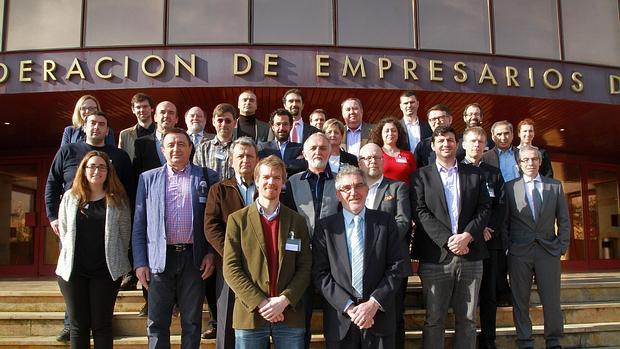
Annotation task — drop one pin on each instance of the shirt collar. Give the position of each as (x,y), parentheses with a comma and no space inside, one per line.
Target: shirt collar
(528,179)
(410,123)
(269,217)
(509,150)
(327,173)
(216,141)
(184,171)
(240,180)
(358,129)
(348,215)
(469,162)
(376,184)
(448,169)
(280,145)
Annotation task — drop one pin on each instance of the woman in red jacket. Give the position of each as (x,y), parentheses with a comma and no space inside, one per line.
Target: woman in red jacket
(398,164)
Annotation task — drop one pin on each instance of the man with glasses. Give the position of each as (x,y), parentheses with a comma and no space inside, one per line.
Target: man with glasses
(473,116)
(536,205)
(438,115)
(214,153)
(391,197)
(290,152)
(451,208)
(359,288)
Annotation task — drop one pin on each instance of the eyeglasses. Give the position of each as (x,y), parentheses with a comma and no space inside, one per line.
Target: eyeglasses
(368,158)
(85,108)
(438,118)
(100,168)
(526,160)
(349,188)
(223,121)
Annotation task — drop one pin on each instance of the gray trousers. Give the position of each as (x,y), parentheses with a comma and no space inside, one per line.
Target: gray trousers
(455,282)
(180,283)
(547,270)
(225,303)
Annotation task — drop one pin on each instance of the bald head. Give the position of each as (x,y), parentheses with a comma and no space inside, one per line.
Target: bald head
(371,161)
(166,116)
(195,120)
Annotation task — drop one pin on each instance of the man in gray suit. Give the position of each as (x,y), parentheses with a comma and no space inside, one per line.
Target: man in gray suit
(312,194)
(535,205)
(392,197)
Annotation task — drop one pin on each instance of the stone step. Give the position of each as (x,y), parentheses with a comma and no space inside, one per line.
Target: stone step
(597,335)
(51,300)
(128,324)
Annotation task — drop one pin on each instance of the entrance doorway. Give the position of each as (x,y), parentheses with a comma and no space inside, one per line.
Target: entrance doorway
(28,246)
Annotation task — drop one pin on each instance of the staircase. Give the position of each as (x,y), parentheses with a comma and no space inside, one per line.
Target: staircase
(31,314)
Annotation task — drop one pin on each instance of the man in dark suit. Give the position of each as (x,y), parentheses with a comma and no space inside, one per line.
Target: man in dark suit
(391,197)
(358,132)
(267,263)
(148,154)
(171,255)
(293,101)
(451,208)
(536,204)
(226,197)
(247,123)
(417,130)
(291,152)
(438,115)
(504,155)
(494,280)
(358,263)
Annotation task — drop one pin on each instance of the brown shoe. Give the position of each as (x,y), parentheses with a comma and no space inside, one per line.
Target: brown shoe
(209,333)
(175,311)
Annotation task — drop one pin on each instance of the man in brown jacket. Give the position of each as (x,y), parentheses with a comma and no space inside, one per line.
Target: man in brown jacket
(226,197)
(267,264)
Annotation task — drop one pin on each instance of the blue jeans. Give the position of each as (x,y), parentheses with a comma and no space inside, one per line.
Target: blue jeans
(282,335)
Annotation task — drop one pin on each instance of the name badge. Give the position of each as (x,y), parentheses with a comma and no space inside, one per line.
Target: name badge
(401,160)
(292,244)
(220,156)
(202,199)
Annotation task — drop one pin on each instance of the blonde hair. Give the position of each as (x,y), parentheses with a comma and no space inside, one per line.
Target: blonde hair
(270,161)
(76,118)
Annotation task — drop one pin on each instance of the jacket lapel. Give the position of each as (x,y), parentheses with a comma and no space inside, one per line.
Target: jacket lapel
(283,230)
(257,229)
(339,236)
(437,183)
(522,203)
(380,194)
(370,239)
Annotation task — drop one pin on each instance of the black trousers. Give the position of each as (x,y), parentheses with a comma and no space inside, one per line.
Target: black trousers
(90,305)
(493,284)
(362,339)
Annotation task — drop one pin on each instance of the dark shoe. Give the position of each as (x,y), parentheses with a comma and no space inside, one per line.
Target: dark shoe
(144,311)
(209,333)
(487,345)
(555,347)
(129,282)
(64,335)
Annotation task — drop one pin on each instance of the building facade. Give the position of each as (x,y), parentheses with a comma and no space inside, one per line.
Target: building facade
(555,61)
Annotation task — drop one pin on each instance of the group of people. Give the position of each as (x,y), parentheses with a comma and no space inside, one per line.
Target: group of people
(265,218)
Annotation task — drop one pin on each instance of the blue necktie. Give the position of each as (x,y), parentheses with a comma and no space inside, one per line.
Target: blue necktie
(357,257)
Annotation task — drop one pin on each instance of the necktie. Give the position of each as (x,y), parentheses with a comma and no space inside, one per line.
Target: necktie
(357,257)
(294,137)
(537,201)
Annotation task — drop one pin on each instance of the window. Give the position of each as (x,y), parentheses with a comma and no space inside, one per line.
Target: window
(387,23)
(208,21)
(124,23)
(43,24)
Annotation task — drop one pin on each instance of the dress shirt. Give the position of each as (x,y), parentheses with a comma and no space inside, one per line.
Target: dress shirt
(354,139)
(197,138)
(247,190)
(317,183)
(270,217)
(452,191)
(282,147)
(413,133)
(372,193)
(334,163)
(158,139)
(508,164)
(298,125)
(179,212)
(537,183)
(214,155)
(349,227)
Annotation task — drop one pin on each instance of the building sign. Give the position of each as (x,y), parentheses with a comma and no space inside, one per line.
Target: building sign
(305,67)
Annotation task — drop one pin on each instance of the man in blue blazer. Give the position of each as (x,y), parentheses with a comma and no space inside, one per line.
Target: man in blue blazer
(170,251)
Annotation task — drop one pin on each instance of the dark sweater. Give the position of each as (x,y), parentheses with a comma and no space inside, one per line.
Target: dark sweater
(65,164)
(246,126)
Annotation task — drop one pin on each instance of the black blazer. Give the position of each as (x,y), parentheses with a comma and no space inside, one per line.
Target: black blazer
(347,158)
(425,155)
(430,213)
(425,132)
(385,265)
(495,186)
(291,154)
(145,156)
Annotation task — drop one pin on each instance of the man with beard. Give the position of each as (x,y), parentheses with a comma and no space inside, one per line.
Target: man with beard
(472,116)
(391,197)
(214,152)
(195,122)
(247,124)
(293,102)
(312,194)
(281,146)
